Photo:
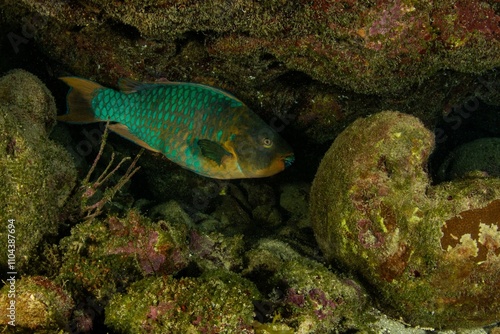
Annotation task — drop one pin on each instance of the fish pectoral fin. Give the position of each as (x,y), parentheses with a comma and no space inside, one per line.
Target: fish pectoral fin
(124,131)
(213,151)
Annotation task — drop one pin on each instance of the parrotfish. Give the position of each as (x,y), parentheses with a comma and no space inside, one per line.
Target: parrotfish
(201,128)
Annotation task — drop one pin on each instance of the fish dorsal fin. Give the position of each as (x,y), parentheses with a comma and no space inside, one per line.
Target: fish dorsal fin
(131,86)
(237,102)
(124,131)
(213,151)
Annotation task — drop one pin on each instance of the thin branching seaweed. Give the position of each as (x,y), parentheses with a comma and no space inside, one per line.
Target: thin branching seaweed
(89,188)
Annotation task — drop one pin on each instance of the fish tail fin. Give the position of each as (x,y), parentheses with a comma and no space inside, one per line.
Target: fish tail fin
(79,101)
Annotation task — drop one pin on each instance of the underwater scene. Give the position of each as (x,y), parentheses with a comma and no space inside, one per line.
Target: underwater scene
(250,166)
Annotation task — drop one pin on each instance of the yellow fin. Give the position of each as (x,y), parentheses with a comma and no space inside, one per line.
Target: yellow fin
(124,131)
(79,100)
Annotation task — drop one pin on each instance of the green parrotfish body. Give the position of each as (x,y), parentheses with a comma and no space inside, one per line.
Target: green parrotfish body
(201,128)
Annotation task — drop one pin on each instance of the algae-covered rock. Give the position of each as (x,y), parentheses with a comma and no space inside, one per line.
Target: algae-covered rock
(103,256)
(295,200)
(216,302)
(39,306)
(432,253)
(37,174)
(272,328)
(368,47)
(303,294)
(266,52)
(213,250)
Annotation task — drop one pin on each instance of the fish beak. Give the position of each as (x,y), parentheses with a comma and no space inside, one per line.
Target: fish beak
(276,166)
(289,159)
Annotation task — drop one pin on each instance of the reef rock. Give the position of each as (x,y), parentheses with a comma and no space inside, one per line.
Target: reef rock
(37,174)
(431,253)
(304,294)
(216,302)
(40,306)
(301,61)
(103,256)
(369,47)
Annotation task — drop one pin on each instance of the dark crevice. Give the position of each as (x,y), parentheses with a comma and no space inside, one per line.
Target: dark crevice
(126,30)
(463,124)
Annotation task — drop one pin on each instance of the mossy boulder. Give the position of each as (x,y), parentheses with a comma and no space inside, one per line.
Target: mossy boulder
(104,256)
(40,305)
(431,253)
(37,174)
(216,302)
(303,294)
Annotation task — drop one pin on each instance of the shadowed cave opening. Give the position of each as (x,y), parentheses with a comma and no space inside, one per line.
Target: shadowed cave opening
(467,142)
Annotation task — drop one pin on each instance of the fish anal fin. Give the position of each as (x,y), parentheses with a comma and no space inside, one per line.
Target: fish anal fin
(79,101)
(213,151)
(124,131)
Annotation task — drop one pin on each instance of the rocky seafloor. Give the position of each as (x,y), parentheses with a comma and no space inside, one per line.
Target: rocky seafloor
(392,228)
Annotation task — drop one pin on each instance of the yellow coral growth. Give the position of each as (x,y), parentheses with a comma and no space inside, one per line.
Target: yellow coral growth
(477,225)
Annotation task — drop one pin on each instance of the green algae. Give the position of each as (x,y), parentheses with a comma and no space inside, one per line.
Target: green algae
(103,256)
(216,302)
(38,174)
(374,211)
(249,50)
(318,62)
(272,329)
(370,48)
(41,306)
(211,251)
(306,296)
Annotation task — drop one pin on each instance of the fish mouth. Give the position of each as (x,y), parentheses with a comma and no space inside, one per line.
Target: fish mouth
(288,160)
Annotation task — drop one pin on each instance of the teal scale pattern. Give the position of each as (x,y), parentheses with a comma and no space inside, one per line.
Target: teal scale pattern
(169,117)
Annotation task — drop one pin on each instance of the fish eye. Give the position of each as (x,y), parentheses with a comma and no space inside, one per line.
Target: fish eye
(267,142)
